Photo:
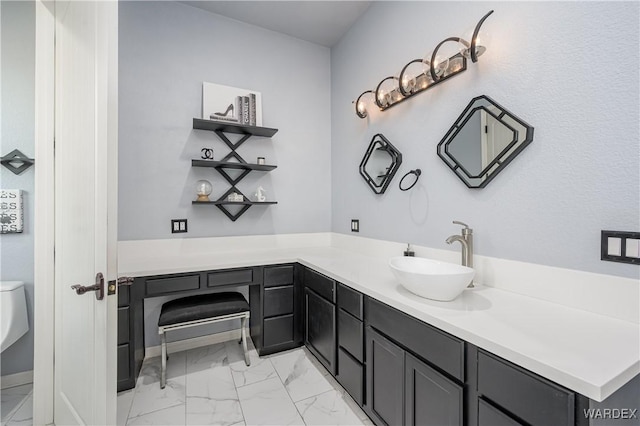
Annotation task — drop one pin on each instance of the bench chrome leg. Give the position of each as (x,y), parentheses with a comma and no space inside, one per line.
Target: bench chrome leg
(163,370)
(243,326)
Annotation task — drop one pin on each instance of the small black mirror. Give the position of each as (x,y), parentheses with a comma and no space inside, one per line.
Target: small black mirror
(380,163)
(482,141)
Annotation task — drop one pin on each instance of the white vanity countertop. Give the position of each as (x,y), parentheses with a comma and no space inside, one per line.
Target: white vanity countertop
(589,353)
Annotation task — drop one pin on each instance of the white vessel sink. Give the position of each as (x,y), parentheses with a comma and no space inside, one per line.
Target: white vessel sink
(431,279)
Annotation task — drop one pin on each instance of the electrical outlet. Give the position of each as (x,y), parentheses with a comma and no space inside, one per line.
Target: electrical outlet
(620,246)
(355,225)
(178,226)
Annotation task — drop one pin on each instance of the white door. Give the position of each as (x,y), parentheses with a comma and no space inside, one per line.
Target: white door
(85,210)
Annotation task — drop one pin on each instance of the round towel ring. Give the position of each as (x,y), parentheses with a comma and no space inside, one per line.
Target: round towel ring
(416,172)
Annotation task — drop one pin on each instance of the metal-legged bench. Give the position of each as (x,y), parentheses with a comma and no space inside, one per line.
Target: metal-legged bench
(200,310)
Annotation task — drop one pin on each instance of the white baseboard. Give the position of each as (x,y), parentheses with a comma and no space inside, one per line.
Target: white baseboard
(196,342)
(17,379)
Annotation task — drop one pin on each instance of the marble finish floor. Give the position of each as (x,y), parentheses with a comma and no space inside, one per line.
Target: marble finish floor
(212,385)
(17,405)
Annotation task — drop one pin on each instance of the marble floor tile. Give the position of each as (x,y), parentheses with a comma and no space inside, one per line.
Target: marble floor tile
(24,414)
(207,357)
(260,369)
(347,398)
(210,411)
(300,377)
(267,403)
(124,401)
(166,416)
(11,398)
(149,397)
(328,408)
(213,386)
(211,392)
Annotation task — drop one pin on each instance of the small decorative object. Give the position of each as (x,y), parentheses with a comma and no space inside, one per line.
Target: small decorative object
(261,160)
(11,214)
(207,153)
(231,104)
(260,195)
(16,161)
(416,173)
(203,189)
(235,197)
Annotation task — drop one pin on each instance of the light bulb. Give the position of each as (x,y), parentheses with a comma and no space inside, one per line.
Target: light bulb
(362,107)
(483,39)
(440,64)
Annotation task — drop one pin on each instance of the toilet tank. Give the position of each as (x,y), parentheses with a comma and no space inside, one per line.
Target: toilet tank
(13,313)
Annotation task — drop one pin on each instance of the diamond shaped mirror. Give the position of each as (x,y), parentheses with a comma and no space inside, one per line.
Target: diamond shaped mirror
(380,163)
(483,140)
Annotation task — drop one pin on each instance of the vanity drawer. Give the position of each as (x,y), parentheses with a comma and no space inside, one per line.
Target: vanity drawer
(351,334)
(278,301)
(351,375)
(157,286)
(442,350)
(278,275)
(488,415)
(278,330)
(235,276)
(322,285)
(351,301)
(529,397)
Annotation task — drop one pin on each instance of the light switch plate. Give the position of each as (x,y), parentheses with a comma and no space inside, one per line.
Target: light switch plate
(355,225)
(620,246)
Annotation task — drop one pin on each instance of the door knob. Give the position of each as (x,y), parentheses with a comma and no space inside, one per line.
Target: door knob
(98,287)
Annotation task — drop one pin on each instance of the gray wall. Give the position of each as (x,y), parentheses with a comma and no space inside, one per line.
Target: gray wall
(569,69)
(166,51)
(18,111)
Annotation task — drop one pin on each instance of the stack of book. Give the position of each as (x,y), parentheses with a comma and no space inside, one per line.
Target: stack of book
(242,112)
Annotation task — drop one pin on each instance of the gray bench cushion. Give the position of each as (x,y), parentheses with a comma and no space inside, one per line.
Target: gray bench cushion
(202,306)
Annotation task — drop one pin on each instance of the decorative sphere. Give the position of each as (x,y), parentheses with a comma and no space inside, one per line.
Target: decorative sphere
(203,189)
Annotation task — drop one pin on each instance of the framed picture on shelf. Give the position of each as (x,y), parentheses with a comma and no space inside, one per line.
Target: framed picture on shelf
(231,104)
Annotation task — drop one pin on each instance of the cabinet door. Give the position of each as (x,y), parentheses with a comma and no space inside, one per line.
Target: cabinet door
(385,380)
(320,328)
(431,398)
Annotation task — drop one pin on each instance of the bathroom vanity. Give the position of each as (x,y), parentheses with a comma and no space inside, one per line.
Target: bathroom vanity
(488,358)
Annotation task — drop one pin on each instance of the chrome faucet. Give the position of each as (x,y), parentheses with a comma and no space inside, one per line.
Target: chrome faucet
(466,240)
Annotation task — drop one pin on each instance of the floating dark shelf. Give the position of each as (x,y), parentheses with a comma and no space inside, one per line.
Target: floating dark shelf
(240,129)
(240,203)
(231,165)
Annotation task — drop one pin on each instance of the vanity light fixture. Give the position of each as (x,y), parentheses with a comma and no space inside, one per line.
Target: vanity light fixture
(422,74)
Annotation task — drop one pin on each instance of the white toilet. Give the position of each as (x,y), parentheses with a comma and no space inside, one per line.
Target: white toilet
(13,313)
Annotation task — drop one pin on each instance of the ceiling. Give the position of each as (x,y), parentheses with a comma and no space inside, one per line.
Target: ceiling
(320,22)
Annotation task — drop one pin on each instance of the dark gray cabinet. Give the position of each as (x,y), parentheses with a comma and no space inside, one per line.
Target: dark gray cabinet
(320,318)
(320,328)
(402,390)
(385,380)
(276,311)
(401,370)
(350,368)
(522,396)
(430,398)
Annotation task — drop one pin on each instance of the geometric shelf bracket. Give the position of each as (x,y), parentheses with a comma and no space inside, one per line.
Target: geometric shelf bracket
(230,144)
(241,176)
(17,162)
(244,207)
